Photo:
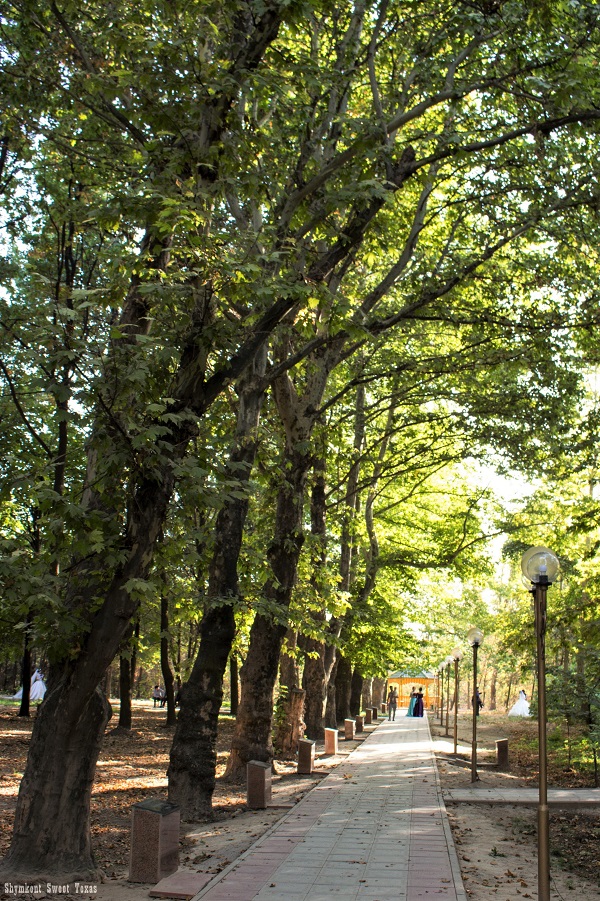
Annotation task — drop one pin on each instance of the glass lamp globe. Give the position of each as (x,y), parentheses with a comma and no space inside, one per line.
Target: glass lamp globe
(449,660)
(457,654)
(538,562)
(474,636)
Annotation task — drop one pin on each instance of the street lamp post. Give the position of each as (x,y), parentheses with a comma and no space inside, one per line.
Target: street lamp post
(441,677)
(456,655)
(474,637)
(448,663)
(540,566)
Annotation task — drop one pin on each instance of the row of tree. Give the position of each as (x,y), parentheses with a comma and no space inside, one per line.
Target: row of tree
(277,274)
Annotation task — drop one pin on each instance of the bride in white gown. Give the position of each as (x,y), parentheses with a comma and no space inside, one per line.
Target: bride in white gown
(37,689)
(521,708)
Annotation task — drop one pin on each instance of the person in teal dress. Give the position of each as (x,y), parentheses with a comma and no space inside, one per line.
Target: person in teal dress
(413,701)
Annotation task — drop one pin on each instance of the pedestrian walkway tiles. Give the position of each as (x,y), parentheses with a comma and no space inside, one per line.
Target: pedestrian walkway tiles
(374,829)
(525,797)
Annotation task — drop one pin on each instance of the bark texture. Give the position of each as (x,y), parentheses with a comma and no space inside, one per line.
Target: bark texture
(367,693)
(343,679)
(47,831)
(252,739)
(315,675)
(193,754)
(290,726)
(378,691)
(355,692)
(234,687)
(124,693)
(165,666)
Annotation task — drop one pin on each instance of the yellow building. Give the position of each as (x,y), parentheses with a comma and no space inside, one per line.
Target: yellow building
(407,680)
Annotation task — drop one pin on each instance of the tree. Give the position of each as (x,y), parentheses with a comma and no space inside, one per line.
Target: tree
(241,186)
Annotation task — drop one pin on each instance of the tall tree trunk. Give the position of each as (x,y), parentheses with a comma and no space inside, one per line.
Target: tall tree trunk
(252,737)
(314,679)
(367,693)
(508,692)
(165,666)
(234,687)
(493,683)
(343,681)
(313,682)
(67,735)
(26,669)
(36,546)
(378,691)
(125,678)
(124,692)
(330,704)
(52,827)
(193,758)
(318,668)
(290,727)
(289,673)
(133,662)
(355,692)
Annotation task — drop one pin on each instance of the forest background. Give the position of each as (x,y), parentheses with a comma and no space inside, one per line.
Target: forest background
(281,284)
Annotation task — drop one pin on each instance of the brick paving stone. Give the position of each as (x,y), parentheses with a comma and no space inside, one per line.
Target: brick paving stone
(375,829)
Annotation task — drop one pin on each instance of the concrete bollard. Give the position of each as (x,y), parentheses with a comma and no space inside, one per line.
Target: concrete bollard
(360,723)
(502,754)
(383,707)
(154,850)
(374,714)
(368,716)
(349,727)
(306,756)
(258,784)
(331,741)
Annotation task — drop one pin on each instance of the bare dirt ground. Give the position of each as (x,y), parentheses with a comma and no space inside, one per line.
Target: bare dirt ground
(497,845)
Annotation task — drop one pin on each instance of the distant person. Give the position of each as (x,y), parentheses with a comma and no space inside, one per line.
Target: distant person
(156,695)
(521,708)
(412,702)
(419,706)
(392,701)
(37,688)
(476,702)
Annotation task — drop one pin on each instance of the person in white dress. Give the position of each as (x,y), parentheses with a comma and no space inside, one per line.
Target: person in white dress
(521,708)
(37,689)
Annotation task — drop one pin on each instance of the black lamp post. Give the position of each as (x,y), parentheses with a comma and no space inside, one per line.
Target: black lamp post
(474,637)
(540,567)
(441,678)
(456,655)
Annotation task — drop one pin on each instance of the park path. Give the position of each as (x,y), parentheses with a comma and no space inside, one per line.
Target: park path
(374,829)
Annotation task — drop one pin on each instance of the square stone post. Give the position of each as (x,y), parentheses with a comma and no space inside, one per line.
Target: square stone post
(502,754)
(374,714)
(368,716)
(154,850)
(258,784)
(331,741)
(360,723)
(306,756)
(349,726)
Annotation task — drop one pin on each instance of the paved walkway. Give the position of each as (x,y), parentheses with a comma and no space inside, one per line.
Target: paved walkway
(374,829)
(525,797)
